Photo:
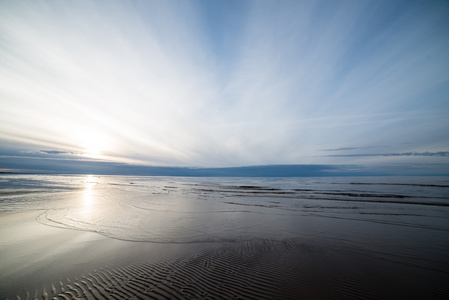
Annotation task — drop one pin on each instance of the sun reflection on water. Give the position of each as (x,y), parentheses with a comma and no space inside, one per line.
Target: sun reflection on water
(88,197)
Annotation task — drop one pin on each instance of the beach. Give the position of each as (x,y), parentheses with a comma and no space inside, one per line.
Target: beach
(112,237)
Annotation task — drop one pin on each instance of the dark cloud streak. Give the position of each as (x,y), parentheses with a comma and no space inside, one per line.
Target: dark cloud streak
(434,154)
(355,148)
(55,152)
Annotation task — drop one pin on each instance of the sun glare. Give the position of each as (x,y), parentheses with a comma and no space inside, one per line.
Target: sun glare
(93,151)
(93,144)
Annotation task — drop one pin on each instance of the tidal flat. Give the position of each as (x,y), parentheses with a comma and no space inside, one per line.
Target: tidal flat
(118,237)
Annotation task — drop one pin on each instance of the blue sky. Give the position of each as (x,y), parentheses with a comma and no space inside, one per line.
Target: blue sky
(225,83)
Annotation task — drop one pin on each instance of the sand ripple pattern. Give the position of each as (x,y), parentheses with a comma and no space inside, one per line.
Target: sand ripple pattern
(230,272)
(247,270)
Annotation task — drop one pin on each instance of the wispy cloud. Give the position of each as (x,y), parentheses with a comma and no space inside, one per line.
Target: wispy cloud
(224,83)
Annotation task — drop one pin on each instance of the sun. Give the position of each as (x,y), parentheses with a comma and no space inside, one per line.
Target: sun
(93,150)
(93,144)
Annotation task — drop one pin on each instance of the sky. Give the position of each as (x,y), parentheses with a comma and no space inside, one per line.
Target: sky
(224,83)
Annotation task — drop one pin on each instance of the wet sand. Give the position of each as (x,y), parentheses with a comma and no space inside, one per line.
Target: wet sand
(34,256)
(43,262)
(69,237)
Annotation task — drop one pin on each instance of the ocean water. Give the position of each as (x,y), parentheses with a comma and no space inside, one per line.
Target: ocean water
(399,220)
